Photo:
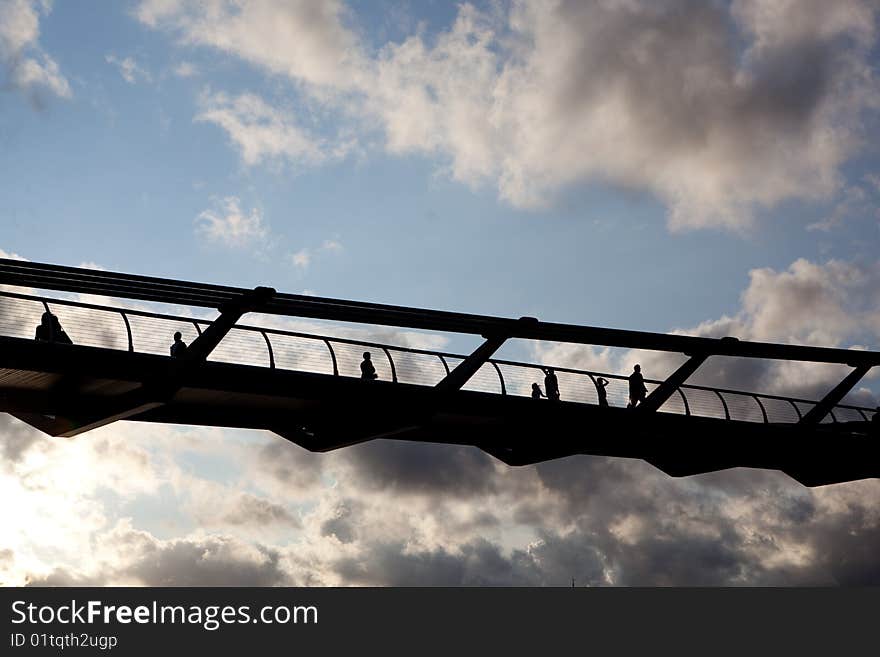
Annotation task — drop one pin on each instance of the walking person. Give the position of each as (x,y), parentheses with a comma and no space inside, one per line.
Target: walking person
(637,389)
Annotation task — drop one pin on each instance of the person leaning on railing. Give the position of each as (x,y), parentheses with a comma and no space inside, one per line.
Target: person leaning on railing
(49,330)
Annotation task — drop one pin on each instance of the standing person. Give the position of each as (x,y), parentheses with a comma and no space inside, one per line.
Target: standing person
(637,389)
(536,391)
(601,384)
(179,346)
(368,372)
(551,384)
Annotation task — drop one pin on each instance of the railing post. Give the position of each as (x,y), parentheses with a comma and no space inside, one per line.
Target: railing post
(333,357)
(500,377)
(687,408)
(796,410)
(391,362)
(127,330)
(723,404)
(445,364)
(198,328)
(269,347)
(763,410)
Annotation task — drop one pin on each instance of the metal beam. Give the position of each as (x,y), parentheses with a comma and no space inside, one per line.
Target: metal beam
(666,389)
(816,414)
(155,393)
(230,312)
(462,372)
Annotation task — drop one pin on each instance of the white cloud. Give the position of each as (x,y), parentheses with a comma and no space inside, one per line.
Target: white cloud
(27,66)
(296,38)
(10,255)
(228,225)
(301,259)
(718,111)
(260,131)
(186,70)
(129,69)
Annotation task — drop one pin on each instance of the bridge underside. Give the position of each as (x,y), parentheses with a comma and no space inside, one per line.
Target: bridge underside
(57,388)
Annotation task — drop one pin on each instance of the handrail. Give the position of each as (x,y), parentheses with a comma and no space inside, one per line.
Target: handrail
(265,331)
(162,290)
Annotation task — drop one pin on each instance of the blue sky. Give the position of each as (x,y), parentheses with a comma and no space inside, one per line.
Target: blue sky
(709,167)
(117,174)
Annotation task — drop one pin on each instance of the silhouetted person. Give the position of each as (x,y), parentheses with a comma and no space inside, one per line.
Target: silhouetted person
(601,384)
(536,391)
(368,372)
(637,389)
(179,346)
(551,384)
(44,328)
(50,330)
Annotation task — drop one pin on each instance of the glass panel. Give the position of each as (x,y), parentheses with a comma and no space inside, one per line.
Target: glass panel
(152,335)
(419,369)
(19,318)
(241,347)
(302,354)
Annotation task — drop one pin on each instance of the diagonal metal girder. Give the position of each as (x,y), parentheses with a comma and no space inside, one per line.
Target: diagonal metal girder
(816,414)
(462,372)
(665,390)
(155,393)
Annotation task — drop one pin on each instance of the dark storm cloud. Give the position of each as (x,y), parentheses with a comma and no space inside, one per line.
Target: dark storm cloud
(290,464)
(213,561)
(422,468)
(256,511)
(342,524)
(630,525)
(209,561)
(478,563)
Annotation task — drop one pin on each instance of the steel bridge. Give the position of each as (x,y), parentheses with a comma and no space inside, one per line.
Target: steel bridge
(307,387)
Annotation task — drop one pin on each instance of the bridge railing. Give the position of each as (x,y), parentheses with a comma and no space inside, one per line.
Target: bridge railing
(151,333)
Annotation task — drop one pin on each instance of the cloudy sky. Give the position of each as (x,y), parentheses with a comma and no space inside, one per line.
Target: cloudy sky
(703,167)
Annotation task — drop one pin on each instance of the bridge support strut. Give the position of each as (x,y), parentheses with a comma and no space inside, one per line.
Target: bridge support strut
(665,390)
(816,414)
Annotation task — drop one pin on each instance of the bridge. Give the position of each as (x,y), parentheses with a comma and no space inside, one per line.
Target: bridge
(307,388)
